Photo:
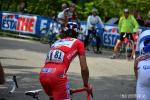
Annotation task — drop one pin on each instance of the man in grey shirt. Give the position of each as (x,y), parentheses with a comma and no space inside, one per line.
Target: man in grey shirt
(92,21)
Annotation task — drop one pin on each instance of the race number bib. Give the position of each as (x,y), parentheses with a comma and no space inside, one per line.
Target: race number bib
(56,56)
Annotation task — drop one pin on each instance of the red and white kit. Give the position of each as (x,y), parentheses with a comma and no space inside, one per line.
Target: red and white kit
(53,75)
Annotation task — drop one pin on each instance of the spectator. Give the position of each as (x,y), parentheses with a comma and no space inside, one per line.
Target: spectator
(2,78)
(127,26)
(92,21)
(147,22)
(138,18)
(72,14)
(23,6)
(62,16)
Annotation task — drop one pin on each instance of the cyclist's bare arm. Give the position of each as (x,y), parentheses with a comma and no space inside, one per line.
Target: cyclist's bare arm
(84,69)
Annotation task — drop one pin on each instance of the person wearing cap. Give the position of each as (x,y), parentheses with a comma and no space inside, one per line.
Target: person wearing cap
(92,21)
(127,25)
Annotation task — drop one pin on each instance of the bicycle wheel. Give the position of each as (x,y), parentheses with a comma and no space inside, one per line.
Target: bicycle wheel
(94,44)
(129,50)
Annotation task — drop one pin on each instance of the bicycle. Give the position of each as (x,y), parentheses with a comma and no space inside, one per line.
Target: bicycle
(35,93)
(92,43)
(127,46)
(94,40)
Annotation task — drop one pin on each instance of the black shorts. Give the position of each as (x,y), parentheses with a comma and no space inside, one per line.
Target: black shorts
(126,35)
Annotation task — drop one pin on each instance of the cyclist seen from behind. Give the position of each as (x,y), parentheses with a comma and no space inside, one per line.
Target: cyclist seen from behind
(127,27)
(53,75)
(142,72)
(92,21)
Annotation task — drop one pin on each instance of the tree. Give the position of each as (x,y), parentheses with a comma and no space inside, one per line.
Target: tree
(106,8)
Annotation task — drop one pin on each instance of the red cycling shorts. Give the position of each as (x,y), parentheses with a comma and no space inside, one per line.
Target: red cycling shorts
(55,83)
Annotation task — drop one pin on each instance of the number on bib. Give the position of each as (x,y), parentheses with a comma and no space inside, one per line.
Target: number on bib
(55,56)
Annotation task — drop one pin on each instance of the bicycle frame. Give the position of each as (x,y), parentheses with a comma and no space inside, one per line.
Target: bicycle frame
(129,49)
(128,46)
(35,93)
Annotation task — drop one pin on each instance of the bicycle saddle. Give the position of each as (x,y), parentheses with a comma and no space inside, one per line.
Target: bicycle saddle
(33,93)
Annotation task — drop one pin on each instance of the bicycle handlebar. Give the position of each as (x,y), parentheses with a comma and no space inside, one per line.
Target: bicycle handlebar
(35,93)
(72,91)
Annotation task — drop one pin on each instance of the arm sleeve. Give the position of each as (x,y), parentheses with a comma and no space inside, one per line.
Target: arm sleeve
(135,23)
(88,22)
(61,15)
(100,21)
(81,49)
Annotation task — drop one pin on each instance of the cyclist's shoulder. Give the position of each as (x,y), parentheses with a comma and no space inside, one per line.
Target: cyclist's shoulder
(131,17)
(143,57)
(122,18)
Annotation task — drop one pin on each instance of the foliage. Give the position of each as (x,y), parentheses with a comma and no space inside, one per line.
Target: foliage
(106,8)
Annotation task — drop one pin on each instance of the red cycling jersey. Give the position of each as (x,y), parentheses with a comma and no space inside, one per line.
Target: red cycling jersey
(53,75)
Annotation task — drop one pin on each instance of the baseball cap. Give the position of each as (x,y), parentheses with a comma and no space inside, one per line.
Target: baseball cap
(126,10)
(94,10)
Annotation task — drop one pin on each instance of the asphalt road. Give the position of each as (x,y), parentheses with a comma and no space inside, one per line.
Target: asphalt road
(111,79)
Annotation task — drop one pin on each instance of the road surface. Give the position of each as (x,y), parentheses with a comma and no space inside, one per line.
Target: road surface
(112,79)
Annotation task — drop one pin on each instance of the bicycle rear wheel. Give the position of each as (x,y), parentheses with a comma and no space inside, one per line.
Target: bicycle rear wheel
(129,50)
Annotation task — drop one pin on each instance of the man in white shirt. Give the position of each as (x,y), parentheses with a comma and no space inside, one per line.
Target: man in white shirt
(92,21)
(62,16)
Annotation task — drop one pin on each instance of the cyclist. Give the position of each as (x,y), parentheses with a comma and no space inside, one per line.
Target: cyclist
(53,75)
(127,25)
(142,72)
(92,21)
